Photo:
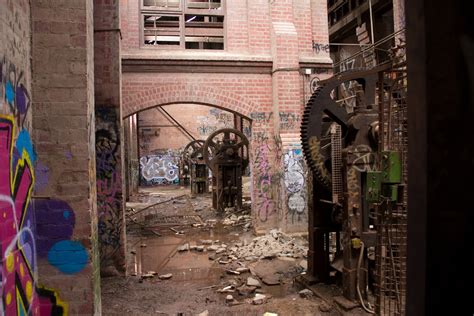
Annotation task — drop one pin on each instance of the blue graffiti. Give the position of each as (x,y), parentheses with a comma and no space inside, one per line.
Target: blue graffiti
(24,142)
(68,256)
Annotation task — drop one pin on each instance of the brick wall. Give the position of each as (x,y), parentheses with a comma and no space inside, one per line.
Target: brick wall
(280,31)
(158,132)
(63,122)
(109,136)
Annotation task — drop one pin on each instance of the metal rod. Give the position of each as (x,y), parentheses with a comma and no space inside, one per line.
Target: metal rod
(159,108)
(383,40)
(371,22)
(348,44)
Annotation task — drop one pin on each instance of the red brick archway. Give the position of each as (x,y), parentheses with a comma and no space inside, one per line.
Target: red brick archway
(134,102)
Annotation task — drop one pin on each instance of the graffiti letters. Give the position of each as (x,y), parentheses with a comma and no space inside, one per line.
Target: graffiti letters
(21,295)
(216,119)
(261,117)
(109,182)
(320,48)
(159,169)
(364,158)
(294,179)
(289,120)
(13,91)
(264,182)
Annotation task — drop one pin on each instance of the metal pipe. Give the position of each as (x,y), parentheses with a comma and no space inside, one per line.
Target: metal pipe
(367,309)
(371,22)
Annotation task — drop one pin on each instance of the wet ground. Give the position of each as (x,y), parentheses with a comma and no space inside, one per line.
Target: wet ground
(184,259)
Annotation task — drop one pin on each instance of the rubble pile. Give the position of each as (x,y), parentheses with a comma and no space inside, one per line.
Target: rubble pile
(274,244)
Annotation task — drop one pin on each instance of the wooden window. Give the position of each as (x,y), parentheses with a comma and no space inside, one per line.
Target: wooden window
(188,24)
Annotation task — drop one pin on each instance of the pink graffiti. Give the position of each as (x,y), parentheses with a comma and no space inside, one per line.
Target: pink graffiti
(20,295)
(265,204)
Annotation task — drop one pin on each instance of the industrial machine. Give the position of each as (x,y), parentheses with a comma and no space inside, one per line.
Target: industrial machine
(226,153)
(353,133)
(193,159)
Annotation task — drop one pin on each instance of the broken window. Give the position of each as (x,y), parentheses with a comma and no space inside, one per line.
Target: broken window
(161,4)
(161,30)
(188,24)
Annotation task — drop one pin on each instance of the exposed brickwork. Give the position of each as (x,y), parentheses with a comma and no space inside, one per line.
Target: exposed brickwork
(237,26)
(63,121)
(258,27)
(245,94)
(280,30)
(158,132)
(320,26)
(109,135)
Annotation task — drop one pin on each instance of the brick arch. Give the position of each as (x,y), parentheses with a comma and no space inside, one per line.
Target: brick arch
(135,102)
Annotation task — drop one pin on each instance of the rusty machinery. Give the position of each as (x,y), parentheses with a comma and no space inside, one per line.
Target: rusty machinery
(198,171)
(226,153)
(355,178)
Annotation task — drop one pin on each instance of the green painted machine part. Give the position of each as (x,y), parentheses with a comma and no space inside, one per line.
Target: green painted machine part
(391,167)
(390,192)
(373,186)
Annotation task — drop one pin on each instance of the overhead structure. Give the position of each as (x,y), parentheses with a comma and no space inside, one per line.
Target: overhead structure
(193,159)
(226,153)
(357,182)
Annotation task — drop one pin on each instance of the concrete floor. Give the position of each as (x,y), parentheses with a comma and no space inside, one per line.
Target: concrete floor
(196,280)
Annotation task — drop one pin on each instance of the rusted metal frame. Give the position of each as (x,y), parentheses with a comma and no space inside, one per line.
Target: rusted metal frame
(160,108)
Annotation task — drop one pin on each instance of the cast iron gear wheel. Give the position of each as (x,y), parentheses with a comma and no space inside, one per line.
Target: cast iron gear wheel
(321,111)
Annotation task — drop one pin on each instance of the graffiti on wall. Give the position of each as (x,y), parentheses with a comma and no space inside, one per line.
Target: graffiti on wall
(216,119)
(294,179)
(14,92)
(321,48)
(364,158)
(160,169)
(264,182)
(109,182)
(289,120)
(30,229)
(261,117)
(21,295)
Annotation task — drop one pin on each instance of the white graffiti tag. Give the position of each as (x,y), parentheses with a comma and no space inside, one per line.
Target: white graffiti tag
(365,159)
(295,183)
(160,169)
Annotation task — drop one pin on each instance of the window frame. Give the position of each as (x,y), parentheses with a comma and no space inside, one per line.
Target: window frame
(181,14)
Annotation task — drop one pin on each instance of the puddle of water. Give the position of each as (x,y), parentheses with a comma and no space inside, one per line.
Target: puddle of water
(196,274)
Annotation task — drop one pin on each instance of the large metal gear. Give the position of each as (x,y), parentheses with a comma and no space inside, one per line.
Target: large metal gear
(226,144)
(193,150)
(322,111)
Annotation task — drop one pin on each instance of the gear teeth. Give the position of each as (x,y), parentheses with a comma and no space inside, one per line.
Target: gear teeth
(310,150)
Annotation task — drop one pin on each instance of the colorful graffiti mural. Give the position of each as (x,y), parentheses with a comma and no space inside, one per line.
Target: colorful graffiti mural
(13,91)
(161,168)
(21,295)
(109,183)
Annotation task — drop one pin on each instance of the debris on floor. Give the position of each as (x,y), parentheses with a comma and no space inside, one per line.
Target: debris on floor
(205,263)
(165,276)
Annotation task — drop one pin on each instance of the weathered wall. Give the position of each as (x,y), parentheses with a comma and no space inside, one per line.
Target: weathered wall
(158,132)
(63,134)
(47,192)
(162,141)
(278,35)
(109,136)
